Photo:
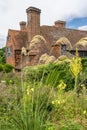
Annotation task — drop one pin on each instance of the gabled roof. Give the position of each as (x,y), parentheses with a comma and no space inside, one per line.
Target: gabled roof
(52,34)
(18,38)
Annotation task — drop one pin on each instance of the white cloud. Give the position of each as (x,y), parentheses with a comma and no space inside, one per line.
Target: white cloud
(83,28)
(2,41)
(14,11)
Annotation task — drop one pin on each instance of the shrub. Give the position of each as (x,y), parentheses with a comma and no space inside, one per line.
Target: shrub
(37,73)
(50,74)
(60,72)
(2,56)
(1,67)
(8,68)
(84,64)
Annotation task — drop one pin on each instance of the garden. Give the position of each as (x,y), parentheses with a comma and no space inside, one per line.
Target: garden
(51,96)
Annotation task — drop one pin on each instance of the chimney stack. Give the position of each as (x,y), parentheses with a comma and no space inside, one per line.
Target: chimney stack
(33,22)
(22,25)
(60,24)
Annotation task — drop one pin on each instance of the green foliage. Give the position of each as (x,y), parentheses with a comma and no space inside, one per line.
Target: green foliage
(2,56)
(83,77)
(34,111)
(10,93)
(84,64)
(8,101)
(37,73)
(53,73)
(50,74)
(38,101)
(1,67)
(71,126)
(60,72)
(8,68)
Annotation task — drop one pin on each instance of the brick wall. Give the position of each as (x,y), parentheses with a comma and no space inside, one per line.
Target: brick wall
(33,22)
(10,59)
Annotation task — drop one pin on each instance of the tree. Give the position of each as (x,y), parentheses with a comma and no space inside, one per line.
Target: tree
(2,56)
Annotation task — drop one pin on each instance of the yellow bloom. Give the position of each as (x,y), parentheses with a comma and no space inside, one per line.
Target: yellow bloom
(80,94)
(84,112)
(53,102)
(63,101)
(32,89)
(76,66)
(59,102)
(62,85)
(28,91)
(84,88)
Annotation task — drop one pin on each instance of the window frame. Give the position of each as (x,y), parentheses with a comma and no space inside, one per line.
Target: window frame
(9,51)
(63,48)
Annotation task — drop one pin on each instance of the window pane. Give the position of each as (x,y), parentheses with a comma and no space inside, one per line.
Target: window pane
(9,51)
(63,47)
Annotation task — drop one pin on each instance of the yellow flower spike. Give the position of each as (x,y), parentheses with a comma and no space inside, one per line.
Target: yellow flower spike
(63,101)
(76,66)
(84,88)
(53,102)
(62,85)
(80,94)
(32,89)
(28,91)
(59,102)
(84,112)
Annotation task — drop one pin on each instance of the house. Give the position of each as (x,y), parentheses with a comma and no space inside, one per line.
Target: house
(17,39)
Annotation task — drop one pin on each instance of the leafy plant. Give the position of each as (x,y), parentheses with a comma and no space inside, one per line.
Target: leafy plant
(35,109)
(1,67)
(76,68)
(8,68)
(2,56)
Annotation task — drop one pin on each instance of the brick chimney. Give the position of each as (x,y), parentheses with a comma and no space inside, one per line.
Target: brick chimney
(33,22)
(22,25)
(60,24)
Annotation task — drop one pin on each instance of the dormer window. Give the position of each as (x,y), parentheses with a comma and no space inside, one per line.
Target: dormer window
(63,49)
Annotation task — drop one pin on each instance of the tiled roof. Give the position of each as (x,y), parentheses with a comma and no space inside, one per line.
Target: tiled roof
(19,38)
(52,34)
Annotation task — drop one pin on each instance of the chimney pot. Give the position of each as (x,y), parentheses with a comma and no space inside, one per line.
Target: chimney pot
(22,25)
(60,24)
(33,9)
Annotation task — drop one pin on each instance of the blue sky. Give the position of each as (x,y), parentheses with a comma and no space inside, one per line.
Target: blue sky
(74,12)
(77,23)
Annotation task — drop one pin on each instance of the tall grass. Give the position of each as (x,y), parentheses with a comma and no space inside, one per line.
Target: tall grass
(44,103)
(34,111)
